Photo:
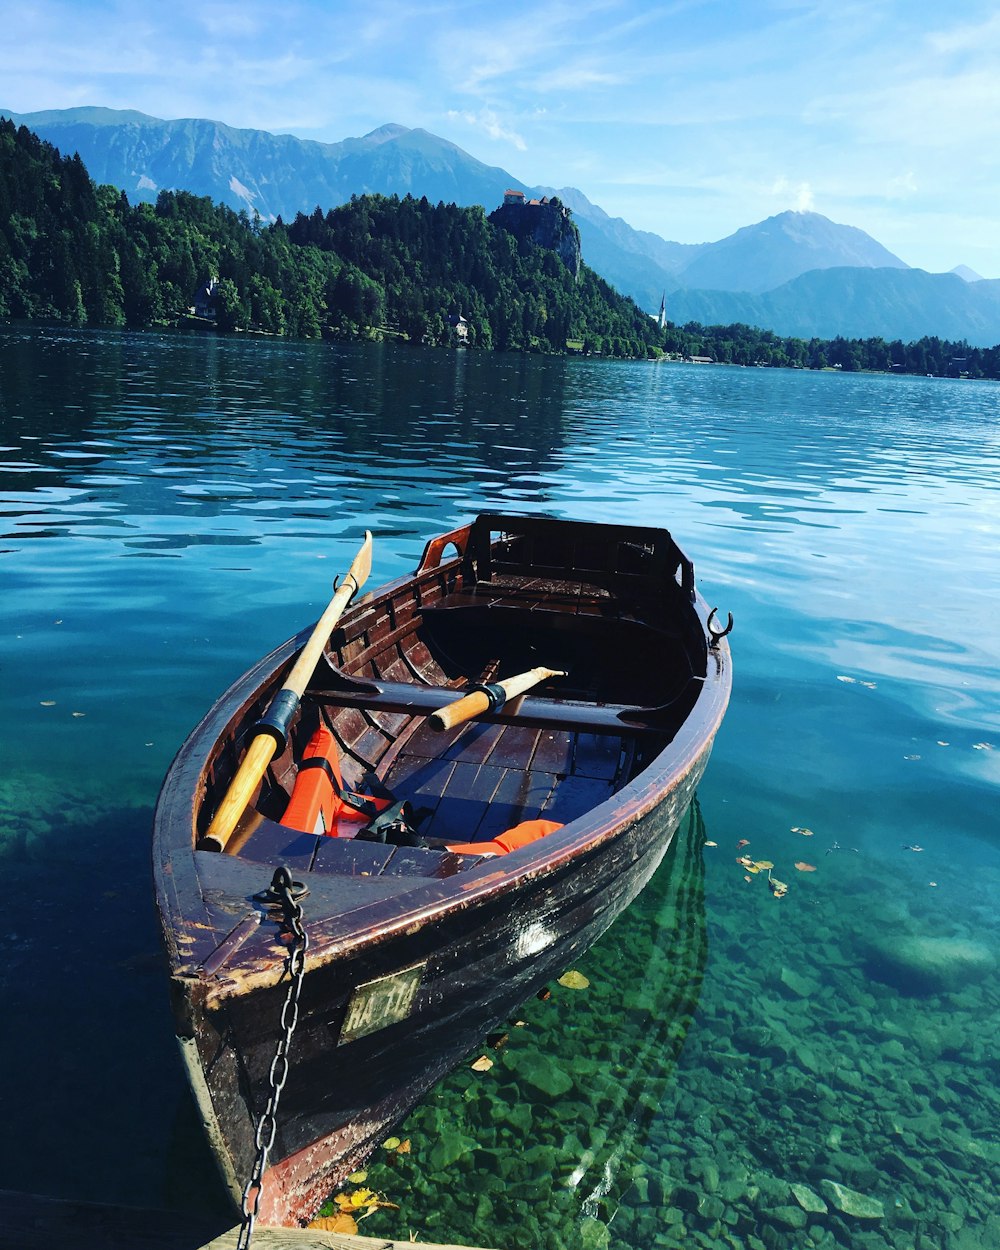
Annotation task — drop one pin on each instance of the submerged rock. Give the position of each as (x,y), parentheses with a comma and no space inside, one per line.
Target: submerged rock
(787,1217)
(808,1200)
(541,1072)
(920,965)
(850,1202)
(799,986)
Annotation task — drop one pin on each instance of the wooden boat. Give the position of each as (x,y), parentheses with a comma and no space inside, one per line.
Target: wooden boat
(420,944)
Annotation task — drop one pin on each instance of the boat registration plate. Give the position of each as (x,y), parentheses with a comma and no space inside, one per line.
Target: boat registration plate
(377,1004)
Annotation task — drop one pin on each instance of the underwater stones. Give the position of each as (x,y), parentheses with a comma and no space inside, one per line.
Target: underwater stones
(847,1078)
(541,1072)
(787,1217)
(449,1148)
(538,1163)
(799,986)
(517,1114)
(808,1200)
(808,1060)
(707,1172)
(921,965)
(894,1050)
(712,1208)
(850,1202)
(733,1190)
(686,1198)
(894,1163)
(484,1209)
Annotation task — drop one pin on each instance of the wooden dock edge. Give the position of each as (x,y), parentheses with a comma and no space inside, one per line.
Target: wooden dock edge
(314,1239)
(38,1222)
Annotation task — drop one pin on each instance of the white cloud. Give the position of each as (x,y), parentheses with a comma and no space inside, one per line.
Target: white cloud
(902,187)
(488,122)
(796,195)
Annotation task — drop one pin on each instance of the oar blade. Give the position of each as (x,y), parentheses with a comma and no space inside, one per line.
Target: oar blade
(361,566)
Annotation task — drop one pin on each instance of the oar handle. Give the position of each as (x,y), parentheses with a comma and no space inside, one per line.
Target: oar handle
(271,730)
(487,698)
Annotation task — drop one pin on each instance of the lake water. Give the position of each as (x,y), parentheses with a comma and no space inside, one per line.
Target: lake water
(743,1070)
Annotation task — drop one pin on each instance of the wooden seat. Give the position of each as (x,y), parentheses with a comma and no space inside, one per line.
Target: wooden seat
(415,699)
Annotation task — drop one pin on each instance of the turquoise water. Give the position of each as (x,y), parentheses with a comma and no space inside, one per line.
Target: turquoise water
(173,506)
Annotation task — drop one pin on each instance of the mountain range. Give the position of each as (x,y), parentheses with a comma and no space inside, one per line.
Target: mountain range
(797,273)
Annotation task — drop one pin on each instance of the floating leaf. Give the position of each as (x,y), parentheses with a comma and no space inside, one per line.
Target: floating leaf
(806,833)
(48,703)
(761,864)
(574,981)
(341,1223)
(850,680)
(391,1143)
(742,842)
(362,1197)
(707,843)
(778,888)
(802,866)
(357,1177)
(482,1064)
(404,1147)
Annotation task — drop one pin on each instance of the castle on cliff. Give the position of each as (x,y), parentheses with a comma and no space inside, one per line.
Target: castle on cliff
(545,222)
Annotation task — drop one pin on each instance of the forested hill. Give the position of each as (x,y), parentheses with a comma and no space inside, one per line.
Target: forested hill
(82,254)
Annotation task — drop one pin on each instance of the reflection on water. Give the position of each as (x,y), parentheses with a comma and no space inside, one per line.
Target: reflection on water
(172,506)
(553,1139)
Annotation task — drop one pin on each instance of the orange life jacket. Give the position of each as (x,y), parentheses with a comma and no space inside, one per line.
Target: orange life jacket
(319,799)
(520,835)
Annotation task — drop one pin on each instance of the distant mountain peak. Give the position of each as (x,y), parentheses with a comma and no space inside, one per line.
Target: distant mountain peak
(383,134)
(967,274)
(772,252)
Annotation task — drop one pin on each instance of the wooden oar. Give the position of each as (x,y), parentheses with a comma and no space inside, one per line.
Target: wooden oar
(272,729)
(489,697)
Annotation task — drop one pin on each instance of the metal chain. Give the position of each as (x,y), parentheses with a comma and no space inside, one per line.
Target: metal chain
(284,892)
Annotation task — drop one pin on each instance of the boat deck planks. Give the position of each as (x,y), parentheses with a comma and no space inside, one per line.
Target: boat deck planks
(478,785)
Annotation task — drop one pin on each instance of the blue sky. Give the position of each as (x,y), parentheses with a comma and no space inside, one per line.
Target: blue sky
(689,119)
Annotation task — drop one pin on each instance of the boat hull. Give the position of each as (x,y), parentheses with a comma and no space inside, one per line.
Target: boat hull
(485,961)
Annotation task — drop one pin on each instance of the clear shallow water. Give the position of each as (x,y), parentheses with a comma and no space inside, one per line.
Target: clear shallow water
(173,506)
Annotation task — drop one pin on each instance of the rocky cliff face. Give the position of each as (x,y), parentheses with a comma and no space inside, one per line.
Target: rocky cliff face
(544,222)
